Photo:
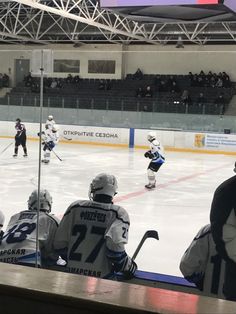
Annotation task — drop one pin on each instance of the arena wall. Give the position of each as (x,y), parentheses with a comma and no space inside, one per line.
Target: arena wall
(150,59)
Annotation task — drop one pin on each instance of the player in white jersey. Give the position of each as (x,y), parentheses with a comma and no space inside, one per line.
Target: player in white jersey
(50,139)
(92,235)
(18,243)
(156,154)
(49,123)
(202,265)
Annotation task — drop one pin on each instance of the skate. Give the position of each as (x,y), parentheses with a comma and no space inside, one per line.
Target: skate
(25,155)
(45,161)
(150,186)
(15,155)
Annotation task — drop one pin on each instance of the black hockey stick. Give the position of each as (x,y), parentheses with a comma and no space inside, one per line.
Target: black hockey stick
(66,138)
(148,234)
(56,155)
(5,148)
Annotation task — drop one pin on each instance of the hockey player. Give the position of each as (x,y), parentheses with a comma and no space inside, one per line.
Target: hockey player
(156,154)
(92,235)
(49,123)
(223,228)
(202,265)
(20,137)
(50,139)
(18,245)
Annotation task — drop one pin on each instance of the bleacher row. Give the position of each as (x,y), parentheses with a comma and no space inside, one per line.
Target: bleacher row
(121,96)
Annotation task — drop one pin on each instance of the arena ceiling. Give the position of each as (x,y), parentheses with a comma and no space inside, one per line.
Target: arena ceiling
(83,21)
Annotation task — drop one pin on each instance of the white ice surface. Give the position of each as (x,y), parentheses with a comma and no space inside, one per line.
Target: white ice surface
(177,208)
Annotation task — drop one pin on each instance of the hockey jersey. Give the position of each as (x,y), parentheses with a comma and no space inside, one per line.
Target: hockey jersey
(49,124)
(50,136)
(87,230)
(202,265)
(18,244)
(157,152)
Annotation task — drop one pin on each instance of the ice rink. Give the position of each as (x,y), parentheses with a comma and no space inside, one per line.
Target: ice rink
(177,208)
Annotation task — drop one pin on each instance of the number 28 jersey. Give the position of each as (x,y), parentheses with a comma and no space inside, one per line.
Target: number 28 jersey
(18,244)
(84,233)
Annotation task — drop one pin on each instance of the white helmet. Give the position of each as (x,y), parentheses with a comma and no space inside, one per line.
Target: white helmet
(45,201)
(103,184)
(50,117)
(55,128)
(151,136)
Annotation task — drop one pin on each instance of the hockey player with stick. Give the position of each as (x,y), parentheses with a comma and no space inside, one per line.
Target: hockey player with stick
(20,138)
(49,123)
(92,235)
(156,154)
(202,265)
(50,139)
(18,245)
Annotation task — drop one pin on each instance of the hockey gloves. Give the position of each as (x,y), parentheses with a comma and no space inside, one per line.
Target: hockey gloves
(129,274)
(148,154)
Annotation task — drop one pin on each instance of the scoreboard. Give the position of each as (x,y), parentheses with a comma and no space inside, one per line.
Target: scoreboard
(133,3)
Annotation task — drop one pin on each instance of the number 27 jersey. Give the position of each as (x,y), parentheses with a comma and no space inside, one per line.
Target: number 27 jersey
(83,232)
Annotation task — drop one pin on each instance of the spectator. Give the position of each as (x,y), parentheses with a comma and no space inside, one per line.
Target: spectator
(201,100)
(5,80)
(2,219)
(174,88)
(54,83)
(18,243)
(223,228)
(185,98)
(28,80)
(69,79)
(202,265)
(220,101)
(92,234)
(148,93)
(139,92)
(138,75)
(163,86)
(219,82)
(102,85)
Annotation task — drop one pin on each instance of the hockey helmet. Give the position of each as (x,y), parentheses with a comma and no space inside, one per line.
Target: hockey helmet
(151,136)
(105,184)
(55,128)
(18,120)
(50,117)
(45,200)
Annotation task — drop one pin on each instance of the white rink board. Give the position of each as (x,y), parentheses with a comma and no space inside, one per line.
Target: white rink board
(121,136)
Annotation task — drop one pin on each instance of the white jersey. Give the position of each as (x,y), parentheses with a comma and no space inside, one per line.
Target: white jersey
(201,260)
(157,151)
(86,231)
(18,243)
(50,136)
(49,124)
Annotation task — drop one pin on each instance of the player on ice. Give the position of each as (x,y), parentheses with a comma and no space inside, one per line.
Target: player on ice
(156,154)
(50,139)
(92,235)
(18,245)
(20,138)
(49,123)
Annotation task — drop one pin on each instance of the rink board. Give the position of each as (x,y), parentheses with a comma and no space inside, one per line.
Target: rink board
(128,137)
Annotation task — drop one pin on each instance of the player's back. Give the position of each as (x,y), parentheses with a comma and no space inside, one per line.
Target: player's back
(202,257)
(18,244)
(90,223)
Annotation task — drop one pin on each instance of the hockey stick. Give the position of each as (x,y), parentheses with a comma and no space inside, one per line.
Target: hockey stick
(66,138)
(5,148)
(56,155)
(148,234)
